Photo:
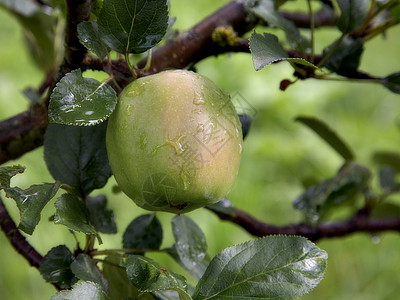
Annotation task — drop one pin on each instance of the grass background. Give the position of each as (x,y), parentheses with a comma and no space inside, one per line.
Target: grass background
(278,156)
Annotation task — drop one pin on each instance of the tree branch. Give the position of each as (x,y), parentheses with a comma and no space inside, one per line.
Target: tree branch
(18,241)
(358,223)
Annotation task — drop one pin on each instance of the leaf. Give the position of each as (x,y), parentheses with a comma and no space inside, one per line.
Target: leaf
(6,173)
(387,179)
(119,286)
(101,218)
(273,267)
(385,210)
(144,232)
(31,202)
(77,156)
(72,213)
(82,291)
(266,11)
(346,57)
(89,36)
(56,267)
(351,181)
(195,270)
(328,135)
(389,158)
(265,49)
(86,270)
(81,101)
(22,7)
(392,82)
(190,242)
(149,276)
(353,14)
(133,26)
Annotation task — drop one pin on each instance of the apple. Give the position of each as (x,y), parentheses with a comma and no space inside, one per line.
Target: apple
(174,141)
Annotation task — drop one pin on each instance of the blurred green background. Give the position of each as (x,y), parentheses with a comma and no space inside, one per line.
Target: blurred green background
(278,156)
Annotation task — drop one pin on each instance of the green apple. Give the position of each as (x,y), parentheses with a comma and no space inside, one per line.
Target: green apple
(174,142)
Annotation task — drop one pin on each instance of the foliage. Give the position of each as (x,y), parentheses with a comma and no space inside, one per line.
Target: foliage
(275,266)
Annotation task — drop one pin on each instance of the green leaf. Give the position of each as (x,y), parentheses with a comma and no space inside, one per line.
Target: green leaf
(190,242)
(81,101)
(273,267)
(351,181)
(119,286)
(328,135)
(101,218)
(195,270)
(133,26)
(22,7)
(265,49)
(77,156)
(385,210)
(149,276)
(392,82)
(353,14)
(144,232)
(387,179)
(346,57)
(31,202)
(82,291)
(72,213)
(266,11)
(86,270)
(56,267)
(89,36)
(389,158)
(6,173)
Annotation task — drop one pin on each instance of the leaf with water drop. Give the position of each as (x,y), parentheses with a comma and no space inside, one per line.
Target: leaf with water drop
(31,202)
(133,26)
(81,101)
(190,242)
(273,267)
(88,33)
(83,290)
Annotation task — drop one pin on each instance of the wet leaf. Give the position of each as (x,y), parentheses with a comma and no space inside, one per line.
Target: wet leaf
(133,26)
(273,267)
(195,270)
(56,268)
(328,135)
(82,291)
(86,270)
(90,37)
(81,101)
(392,82)
(149,276)
(101,217)
(77,156)
(353,14)
(31,202)
(73,213)
(265,50)
(144,232)
(190,242)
